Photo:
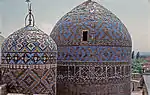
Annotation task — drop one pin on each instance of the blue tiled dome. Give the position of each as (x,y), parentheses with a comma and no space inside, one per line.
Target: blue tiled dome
(28,45)
(29,60)
(91,32)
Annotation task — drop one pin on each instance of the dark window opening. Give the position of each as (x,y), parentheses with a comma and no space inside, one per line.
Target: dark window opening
(85,34)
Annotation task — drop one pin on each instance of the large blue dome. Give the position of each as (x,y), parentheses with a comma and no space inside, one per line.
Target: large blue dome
(94,52)
(90,32)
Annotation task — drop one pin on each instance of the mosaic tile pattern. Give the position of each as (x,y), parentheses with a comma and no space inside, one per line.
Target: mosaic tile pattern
(28,45)
(104,28)
(29,62)
(29,58)
(91,67)
(31,81)
(94,54)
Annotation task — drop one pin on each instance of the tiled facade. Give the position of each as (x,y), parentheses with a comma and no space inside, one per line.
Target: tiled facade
(94,49)
(91,56)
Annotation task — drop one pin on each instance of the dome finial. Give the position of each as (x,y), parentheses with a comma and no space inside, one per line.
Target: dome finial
(30,15)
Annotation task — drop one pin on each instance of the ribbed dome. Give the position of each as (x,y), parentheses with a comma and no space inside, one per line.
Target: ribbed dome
(28,45)
(103,27)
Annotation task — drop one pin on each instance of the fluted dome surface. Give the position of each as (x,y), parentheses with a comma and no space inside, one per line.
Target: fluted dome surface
(28,45)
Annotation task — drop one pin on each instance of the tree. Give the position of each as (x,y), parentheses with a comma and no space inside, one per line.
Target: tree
(137,65)
(138,55)
(132,54)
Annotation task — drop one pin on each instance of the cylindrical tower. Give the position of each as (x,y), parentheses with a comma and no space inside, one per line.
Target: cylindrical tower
(94,52)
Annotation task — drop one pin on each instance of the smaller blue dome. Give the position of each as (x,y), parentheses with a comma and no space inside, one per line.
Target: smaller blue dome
(29,45)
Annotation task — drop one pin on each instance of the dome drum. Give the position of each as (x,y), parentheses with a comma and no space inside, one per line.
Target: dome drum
(92,78)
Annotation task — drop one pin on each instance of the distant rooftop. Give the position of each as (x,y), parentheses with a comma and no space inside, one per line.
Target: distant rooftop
(147,82)
(144,54)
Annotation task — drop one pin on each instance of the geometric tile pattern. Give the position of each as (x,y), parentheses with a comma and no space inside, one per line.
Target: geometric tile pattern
(29,62)
(98,66)
(108,38)
(94,54)
(29,58)
(103,27)
(31,81)
(28,45)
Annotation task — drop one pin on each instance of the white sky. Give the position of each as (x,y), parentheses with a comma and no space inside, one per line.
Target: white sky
(134,14)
